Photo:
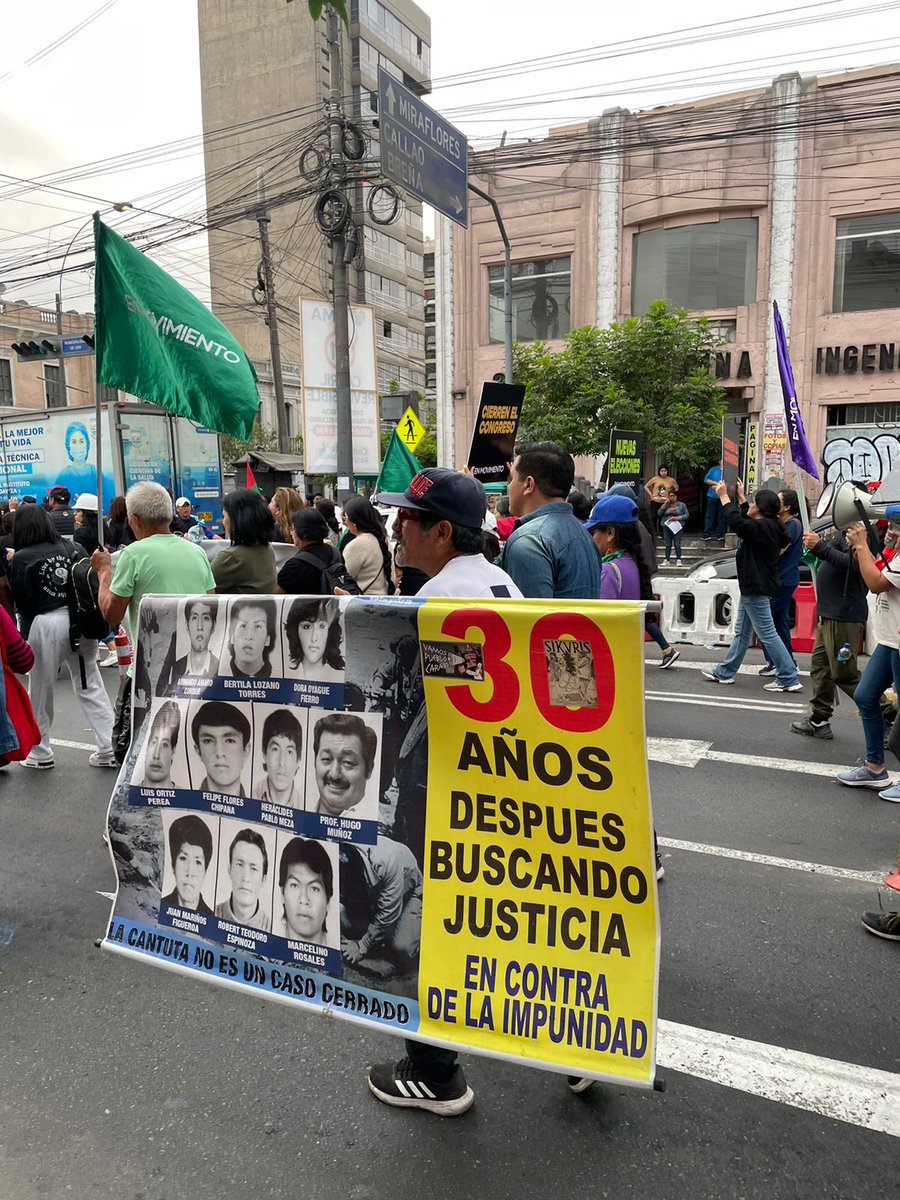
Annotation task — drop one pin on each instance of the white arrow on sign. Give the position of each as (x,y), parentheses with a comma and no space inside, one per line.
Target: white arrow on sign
(456,204)
(391,97)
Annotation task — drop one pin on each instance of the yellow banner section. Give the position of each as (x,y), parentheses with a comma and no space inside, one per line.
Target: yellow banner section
(540,928)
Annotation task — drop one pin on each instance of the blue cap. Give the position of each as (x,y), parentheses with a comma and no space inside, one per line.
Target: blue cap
(448,494)
(612,510)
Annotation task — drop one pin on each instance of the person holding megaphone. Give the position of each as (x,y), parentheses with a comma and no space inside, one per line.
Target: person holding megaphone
(883,580)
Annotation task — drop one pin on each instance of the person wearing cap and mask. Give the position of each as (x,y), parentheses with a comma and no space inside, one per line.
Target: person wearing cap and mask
(182,521)
(439,520)
(61,516)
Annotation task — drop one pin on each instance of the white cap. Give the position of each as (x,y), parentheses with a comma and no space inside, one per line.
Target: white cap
(181,500)
(87,502)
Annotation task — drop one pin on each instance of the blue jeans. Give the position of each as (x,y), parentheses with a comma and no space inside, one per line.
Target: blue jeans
(657,634)
(755,614)
(780,615)
(714,522)
(672,539)
(880,671)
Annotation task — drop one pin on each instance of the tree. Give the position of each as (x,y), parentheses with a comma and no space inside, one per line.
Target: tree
(425,452)
(649,373)
(262,437)
(316,6)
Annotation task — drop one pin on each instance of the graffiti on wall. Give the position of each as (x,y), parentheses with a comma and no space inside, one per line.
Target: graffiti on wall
(866,454)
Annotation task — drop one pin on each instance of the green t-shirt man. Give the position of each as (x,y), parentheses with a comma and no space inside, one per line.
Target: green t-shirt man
(159,563)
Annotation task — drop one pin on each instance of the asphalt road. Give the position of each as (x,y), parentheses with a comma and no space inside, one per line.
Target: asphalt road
(120,1080)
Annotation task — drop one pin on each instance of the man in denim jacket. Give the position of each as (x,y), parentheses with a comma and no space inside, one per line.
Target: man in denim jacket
(548,554)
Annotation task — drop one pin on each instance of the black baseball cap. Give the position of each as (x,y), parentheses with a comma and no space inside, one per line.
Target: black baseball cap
(447,494)
(60,493)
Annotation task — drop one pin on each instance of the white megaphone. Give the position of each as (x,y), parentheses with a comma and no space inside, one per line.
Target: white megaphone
(847,504)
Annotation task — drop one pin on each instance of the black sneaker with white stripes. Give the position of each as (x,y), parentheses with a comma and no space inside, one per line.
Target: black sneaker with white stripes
(403,1085)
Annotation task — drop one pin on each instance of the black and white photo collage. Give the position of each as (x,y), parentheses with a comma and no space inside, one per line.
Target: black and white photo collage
(295,787)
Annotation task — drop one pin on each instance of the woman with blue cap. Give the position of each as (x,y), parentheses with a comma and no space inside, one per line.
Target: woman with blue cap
(624,574)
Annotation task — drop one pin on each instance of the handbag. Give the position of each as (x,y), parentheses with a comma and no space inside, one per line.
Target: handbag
(20,713)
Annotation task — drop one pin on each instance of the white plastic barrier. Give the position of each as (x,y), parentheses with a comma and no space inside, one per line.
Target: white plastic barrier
(702,612)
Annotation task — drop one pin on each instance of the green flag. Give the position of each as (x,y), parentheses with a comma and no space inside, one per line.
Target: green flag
(398,468)
(156,340)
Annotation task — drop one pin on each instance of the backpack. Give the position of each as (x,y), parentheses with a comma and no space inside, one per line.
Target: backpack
(82,595)
(334,575)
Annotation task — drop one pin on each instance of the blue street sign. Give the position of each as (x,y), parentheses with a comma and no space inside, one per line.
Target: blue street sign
(75,345)
(420,151)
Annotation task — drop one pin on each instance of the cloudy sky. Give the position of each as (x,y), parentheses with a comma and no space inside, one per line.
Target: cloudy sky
(128,80)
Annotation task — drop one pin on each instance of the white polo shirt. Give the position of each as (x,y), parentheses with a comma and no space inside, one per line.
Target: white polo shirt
(470,576)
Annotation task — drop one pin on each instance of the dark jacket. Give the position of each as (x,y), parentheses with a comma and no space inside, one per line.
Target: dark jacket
(757,556)
(840,589)
(63,520)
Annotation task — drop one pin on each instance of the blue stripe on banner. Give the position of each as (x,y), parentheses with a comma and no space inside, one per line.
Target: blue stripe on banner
(308,989)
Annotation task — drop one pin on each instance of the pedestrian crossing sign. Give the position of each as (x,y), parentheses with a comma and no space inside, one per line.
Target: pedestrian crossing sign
(410,430)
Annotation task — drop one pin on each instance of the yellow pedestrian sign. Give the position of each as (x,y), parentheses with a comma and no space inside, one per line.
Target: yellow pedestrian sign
(410,430)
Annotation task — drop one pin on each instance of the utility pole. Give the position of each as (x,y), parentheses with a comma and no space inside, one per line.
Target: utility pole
(341,291)
(507,282)
(61,360)
(263,218)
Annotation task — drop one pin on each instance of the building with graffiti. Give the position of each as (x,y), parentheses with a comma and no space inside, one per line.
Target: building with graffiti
(786,193)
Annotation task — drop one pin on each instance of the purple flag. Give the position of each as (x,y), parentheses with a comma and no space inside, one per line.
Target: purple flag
(799,446)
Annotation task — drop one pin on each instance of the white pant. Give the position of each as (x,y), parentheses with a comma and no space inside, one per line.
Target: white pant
(49,639)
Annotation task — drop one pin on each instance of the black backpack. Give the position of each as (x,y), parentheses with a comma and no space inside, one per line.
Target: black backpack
(334,575)
(83,595)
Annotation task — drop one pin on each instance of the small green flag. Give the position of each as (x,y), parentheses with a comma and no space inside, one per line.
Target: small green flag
(154,339)
(398,468)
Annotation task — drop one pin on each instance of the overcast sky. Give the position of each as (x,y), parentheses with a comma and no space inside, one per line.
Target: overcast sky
(130,80)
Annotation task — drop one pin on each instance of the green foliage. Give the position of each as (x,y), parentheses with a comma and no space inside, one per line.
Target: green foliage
(316,6)
(649,373)
(426,452)
(262,437)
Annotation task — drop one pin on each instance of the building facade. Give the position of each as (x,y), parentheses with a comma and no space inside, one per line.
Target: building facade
(787,193)
(264,80)
(43,383)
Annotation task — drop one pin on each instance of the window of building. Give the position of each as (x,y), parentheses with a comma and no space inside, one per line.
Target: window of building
(53,389)
(699,267)
(867,263)
(429,265)
(387,329)
(6,392)
(541,300)
(887,413)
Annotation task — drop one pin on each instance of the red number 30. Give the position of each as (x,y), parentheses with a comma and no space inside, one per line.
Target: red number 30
(505,683)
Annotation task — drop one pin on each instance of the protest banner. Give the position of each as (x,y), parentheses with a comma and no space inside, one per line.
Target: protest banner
(732,450)
(626,455)
(751,466)
(494,433)
(283,824)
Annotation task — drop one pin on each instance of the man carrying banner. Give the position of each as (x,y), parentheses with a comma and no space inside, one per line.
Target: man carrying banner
(439,523)
(157,561)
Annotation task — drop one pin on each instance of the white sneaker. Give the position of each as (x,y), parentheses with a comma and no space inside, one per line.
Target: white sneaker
(103,758)
(39,764)
(777,687)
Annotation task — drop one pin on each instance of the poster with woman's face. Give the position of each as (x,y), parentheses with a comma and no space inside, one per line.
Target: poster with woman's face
(314,639)
(252,648)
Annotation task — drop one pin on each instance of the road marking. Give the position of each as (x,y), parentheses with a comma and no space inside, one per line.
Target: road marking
(107,895)
(72,745)
(768,860)
(684,752)
(737,702)
(684,664)
(842,1091)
